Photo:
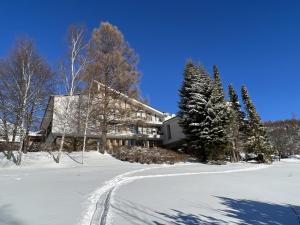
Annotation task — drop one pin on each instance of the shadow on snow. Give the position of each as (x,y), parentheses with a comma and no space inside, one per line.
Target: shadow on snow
(238,211)
(7,217)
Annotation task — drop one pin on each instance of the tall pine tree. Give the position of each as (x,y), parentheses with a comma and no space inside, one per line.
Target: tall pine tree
(236,130)
(185,105)
(201,126)
(218,119)
(194,95)
(257,141)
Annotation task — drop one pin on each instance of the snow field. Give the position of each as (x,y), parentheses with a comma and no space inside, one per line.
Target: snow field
(104,190)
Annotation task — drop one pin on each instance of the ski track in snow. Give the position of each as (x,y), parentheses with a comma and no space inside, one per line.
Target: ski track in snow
(98,211)
(96,200)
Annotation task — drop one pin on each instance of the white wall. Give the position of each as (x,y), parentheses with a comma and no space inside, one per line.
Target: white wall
(176,131)
(74,127)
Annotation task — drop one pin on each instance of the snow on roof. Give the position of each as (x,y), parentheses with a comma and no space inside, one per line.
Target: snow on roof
(131,99)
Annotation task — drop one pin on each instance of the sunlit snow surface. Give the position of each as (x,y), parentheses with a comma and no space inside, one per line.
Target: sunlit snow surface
(106,191)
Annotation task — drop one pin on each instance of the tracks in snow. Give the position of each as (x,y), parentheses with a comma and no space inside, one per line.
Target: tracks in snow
(98,211)
(97,200)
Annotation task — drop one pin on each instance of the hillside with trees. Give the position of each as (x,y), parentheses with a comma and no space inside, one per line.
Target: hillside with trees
(284,136)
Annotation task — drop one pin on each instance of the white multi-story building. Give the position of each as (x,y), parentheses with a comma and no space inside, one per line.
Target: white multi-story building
(143,125)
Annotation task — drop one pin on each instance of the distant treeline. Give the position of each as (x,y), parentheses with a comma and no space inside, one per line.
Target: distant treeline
(284,136)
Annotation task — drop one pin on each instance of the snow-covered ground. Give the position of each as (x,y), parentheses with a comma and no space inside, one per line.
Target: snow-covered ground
(106,191)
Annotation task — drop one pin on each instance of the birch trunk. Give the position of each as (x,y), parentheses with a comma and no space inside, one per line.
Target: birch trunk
(86,124)
(27,75)
(62,141)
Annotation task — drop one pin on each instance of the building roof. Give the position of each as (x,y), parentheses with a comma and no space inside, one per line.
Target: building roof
(171,118)
(132,99)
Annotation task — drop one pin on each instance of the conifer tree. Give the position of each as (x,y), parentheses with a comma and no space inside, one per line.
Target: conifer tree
(201,94)
(114,66)
(194,95)
(218,117)
(237,125)
(236,106)
(257,141)
(185,99)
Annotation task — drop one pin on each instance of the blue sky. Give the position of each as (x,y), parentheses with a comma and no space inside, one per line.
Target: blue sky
(256,43)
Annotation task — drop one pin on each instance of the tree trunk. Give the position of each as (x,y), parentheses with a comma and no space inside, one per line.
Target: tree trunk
(103,146)
(75,144)
(204,156)
(62,141)
(64,132)
(15,129)
(21,145)
(233,152)
(20,153)
(86,124)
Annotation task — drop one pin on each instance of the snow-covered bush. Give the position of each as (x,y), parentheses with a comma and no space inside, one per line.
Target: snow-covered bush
(148,155)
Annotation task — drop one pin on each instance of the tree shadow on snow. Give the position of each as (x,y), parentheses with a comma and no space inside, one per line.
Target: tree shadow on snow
(55,157)
(7,216)
(238,211)
(180,218)
(256,212)
(134,213)
(73,158)
(138,214)
(10,156)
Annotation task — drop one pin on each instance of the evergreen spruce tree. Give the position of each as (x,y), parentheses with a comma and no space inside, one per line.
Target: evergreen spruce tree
(217,119)
(236,130)
(202,123)
(257,141)
(236,106)
(185,93)
(194,95)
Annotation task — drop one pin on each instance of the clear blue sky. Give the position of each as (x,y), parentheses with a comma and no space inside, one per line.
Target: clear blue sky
(256,43)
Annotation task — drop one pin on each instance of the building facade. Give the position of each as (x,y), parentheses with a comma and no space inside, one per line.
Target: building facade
(143,127)
(130,122)
(173,133)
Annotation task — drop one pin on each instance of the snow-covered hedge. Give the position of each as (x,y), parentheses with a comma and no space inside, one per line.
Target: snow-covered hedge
(148,155)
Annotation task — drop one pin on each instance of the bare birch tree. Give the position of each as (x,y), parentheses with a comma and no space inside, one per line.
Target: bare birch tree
(26,79)
(71,72)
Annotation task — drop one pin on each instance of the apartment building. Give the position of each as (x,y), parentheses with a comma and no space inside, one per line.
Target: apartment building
(141,125)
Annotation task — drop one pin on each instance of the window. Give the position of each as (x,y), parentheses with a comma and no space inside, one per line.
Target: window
(169,131)
(140,130)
